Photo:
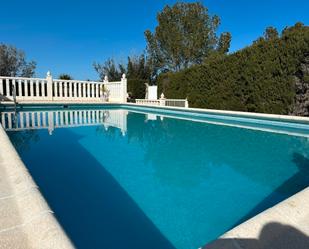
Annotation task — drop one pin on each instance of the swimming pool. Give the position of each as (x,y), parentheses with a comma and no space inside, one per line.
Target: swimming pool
(125,177)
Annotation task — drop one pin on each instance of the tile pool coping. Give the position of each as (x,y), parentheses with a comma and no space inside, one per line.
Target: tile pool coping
(292,212)
(26,220)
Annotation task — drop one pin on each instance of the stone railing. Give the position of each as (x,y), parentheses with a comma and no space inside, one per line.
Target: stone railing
(163,102)
(49,89)
(29,120)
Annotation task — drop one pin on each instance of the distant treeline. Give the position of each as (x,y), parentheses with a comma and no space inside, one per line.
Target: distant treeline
(259,78)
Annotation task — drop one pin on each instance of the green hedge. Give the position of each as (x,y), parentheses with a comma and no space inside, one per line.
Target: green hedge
(259,78)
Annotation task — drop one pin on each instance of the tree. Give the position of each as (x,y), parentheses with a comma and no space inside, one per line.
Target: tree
(271,33)
(13,62)
(65,77)
(185,35)
(109,69)
(224,42)
(138,73)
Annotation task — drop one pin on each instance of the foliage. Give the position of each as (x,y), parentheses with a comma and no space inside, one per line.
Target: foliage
(185,36)
(258,78)
(109,69)
(137,70)
(138,73)
(13,62)
(65,77)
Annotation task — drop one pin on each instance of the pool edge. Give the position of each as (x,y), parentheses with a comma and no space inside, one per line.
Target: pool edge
(26,217)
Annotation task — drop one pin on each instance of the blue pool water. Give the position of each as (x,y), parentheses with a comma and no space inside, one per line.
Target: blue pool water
(119,178)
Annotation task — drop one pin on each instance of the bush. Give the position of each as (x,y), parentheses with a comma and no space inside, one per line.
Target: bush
(258,78)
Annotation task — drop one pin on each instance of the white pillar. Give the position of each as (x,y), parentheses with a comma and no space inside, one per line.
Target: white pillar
(49,79)
(123,89)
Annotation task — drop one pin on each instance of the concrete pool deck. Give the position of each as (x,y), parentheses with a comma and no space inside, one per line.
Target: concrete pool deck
(26,221)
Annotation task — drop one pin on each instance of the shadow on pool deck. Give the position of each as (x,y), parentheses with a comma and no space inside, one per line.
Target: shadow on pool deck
(94,210)
(273,236)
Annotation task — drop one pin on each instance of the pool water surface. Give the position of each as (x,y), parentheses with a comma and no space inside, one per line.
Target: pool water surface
(118,178)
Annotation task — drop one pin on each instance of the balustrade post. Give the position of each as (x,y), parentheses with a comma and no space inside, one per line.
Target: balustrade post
(123,88)
(162,100)
(49,79)
(186,103)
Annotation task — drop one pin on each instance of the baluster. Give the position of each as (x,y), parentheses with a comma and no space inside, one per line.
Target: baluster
(20,93)
(26,88)
(92,90)
(31,89)
(59,89)
(65,90)
(75,90)
(55,84)
(79,90)
(44,89)
(84,90)
(8,92)
(37,87)
(1,87)
(88,90)
(70,90)
(14,90)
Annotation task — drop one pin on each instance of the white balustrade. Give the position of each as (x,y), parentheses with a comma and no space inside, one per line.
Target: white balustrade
(49,89)
(163,102)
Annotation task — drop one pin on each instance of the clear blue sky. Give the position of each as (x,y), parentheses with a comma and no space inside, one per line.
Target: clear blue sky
(67,36)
